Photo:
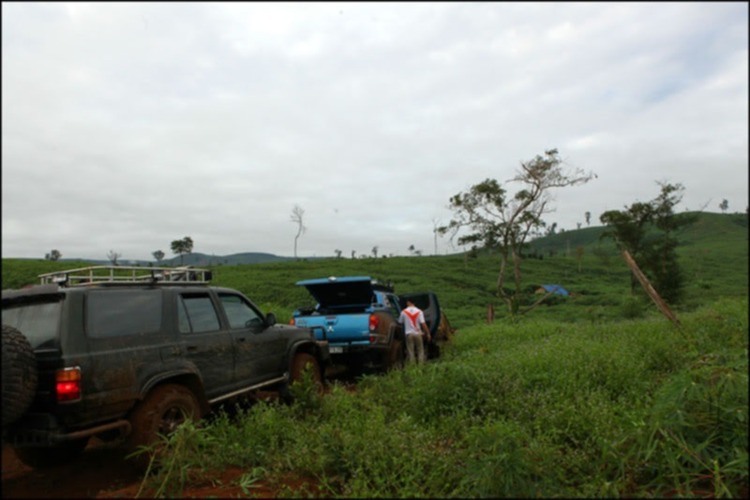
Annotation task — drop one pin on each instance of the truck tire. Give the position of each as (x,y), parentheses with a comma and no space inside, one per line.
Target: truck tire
(300,363)
(159,414)
(19,374)
(394,358)
(51,456)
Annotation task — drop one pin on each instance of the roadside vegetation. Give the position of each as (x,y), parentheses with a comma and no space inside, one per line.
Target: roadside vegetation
(592,395)
(623,408)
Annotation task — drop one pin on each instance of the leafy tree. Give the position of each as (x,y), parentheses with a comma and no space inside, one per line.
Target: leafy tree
(338,253)
(297,214)
(54,255)
(724,205)
(113,257)
(648,232)
(588,218)
(375,251)
(498,221)
(183,246)
(158,255)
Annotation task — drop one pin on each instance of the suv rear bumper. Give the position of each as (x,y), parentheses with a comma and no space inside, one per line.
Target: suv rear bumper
(43,430)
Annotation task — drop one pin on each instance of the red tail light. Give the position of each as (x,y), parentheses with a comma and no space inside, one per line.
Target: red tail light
(68,384)
(374,322)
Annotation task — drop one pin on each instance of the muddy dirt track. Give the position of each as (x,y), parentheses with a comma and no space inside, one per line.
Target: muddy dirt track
(103,472)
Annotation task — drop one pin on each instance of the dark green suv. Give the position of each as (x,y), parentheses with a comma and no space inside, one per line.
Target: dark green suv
(128,353)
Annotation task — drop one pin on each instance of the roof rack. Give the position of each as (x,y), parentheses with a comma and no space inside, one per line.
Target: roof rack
(108,275)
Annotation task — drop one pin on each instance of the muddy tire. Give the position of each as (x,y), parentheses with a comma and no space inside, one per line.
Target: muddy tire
(163,410)
(46,457)
(19,374)
(302,361)
(394,358)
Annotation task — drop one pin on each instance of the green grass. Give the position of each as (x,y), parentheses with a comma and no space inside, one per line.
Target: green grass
(595,395)
(713,254)
(627,408)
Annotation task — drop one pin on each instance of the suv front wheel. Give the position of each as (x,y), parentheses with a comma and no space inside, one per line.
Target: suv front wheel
(163,410)
(302,363)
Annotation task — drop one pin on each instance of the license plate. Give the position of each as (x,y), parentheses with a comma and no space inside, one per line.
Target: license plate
(335,350)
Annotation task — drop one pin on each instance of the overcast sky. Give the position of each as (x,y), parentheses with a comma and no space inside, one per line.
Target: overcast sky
(126,126)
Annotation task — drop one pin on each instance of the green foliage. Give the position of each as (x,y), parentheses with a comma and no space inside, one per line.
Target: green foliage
(647,231)
(713,256)
(540,409)
(183,246)
(500,223)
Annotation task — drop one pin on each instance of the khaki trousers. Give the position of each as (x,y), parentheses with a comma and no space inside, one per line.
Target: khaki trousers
(415,342)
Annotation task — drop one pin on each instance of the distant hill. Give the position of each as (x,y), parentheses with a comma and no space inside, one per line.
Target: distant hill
(197,259)
(710,229)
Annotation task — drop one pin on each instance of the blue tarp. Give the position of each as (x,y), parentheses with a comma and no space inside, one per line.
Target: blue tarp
(556,289)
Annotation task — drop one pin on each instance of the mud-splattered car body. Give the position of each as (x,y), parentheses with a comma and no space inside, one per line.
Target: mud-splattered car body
(103,347)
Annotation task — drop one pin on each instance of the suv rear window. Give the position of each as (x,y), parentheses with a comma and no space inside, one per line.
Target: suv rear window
(37,321)
(114,313)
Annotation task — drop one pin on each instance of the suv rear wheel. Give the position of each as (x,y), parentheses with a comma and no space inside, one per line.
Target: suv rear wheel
(19,374)
(163,410)
(394,357)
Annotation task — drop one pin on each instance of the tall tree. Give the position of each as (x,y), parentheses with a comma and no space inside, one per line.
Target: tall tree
(588,218)
(375,251)
(182,247)
(338,253)
(113,257)
(54,255)
(158,255)
(648,232)
(724,205)
(500,222)
(297,214)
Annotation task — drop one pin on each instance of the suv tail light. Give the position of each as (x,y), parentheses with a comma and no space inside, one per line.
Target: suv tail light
(68,385)
(374,321)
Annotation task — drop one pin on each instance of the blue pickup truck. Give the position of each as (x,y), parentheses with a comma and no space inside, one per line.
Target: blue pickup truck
(359,318)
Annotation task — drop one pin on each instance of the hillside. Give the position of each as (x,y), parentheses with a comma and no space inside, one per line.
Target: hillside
(713,254)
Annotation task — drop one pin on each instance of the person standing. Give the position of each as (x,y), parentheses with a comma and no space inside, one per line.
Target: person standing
(415,329)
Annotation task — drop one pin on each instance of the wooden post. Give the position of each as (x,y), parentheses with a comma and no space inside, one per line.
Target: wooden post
(490,313)
(649,289)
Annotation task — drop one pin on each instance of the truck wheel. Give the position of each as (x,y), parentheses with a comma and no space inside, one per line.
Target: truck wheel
(394,358)
(44,457)
(302,361)
(163,410)
(19,374)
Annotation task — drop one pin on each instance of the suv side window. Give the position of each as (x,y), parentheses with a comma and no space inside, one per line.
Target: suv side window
(239,312)
(197,314)
(114,313)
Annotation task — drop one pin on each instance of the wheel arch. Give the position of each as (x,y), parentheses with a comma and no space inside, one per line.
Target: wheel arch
(188,379)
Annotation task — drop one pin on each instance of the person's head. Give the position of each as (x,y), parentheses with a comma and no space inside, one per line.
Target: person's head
(409,303)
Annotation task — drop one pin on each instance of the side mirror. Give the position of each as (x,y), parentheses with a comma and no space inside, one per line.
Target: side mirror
(270,319)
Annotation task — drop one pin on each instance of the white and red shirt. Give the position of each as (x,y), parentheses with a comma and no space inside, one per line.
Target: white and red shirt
(412,317)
